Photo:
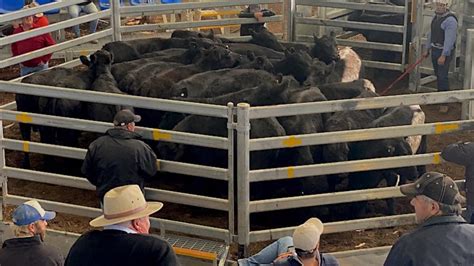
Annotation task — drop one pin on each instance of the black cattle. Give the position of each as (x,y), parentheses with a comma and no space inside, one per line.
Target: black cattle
(257,62)
(218,158)
(296,46)
(325,48)
(243,48)
(382,36)
(346,90)
(267,39)
(185,34)
(101,64)
(295,63)
(62,77)
(219,82)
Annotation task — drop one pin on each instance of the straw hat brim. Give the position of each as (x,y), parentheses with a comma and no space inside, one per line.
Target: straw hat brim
(151,208)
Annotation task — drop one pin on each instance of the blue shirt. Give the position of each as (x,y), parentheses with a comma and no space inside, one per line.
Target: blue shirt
(450,27)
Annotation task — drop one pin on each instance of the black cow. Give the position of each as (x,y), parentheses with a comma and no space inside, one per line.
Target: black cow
(295,63)
(243,48)
(346,90)
(267,39)
(101,64)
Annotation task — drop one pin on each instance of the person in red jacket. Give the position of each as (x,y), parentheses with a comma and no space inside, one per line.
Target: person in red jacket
(29,45)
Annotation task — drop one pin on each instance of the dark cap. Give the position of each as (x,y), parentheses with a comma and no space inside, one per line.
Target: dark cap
(124,117)
(436,186)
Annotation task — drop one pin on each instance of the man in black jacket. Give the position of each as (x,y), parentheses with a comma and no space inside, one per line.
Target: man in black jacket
(120,157)
(30,221)
(463,153)
(443,237)
(254,11)
(125,239)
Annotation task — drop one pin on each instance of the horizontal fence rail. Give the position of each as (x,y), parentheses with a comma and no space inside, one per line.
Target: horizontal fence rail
(77,153)
(111,98)
(102,127)
(40,9)
(354,6)
(360,135)
(162,224)
(151,193)
(360,104)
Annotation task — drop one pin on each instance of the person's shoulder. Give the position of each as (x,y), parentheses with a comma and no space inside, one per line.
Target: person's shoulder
(147,239)
(329,260)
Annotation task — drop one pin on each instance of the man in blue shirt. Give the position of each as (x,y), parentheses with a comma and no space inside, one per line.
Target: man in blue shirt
(441,42)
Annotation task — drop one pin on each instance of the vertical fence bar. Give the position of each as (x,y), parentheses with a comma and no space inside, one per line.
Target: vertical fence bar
(3,177)
(117,35)
(416,34)
(243,186)
(230,169)
(469,73)
(291,27)
(405,33)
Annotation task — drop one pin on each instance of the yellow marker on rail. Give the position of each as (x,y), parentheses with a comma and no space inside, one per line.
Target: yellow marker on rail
(24,118)
(26,146)
(158,165)
(291,172)
(84,53)
(292,141)
(445,128)
(437,158)
(195,253)
(157,135)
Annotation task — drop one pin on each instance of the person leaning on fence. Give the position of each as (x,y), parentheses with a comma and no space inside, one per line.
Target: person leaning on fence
(254,11)
(125,239)
(87,7)
(463,153)
(441,43)
(301,249)
(29,226)
(120,157)
(443,237)
(31,44)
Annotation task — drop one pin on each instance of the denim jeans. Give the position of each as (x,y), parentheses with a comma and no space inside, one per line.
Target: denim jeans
(74,12)
(441,71)
(24,70)
(267,255)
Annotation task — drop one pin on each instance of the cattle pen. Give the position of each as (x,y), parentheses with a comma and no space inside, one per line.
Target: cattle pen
(214,242)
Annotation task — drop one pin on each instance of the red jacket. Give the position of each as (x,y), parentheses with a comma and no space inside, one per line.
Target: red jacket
(32,44)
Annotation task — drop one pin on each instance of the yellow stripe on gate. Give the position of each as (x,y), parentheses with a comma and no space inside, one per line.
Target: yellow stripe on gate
(157,135)
(24,118)
(84,53)
(292,141)
(440,129)
(26,146)
(158,165)
(437,159)
(291,172)
(195,253)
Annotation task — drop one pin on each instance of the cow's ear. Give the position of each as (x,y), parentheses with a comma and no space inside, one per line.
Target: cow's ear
(93,58)
(315,38)
(111,58)
(84,60)
(250,55)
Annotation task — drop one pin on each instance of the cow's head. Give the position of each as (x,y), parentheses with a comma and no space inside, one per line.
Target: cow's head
(319,72)
(325,48)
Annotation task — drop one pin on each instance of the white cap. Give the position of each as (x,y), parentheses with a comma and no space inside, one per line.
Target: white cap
(446,2)
(307,235)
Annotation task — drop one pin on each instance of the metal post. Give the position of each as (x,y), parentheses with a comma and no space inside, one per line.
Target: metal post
(230,169)
(416,45)
(291,27)
(243,186)
(405,33)
(468,109)
(117,36)
(3,177)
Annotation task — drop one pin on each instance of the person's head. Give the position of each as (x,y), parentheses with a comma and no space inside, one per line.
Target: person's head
(126,119)
(433,194)
(30,219)
(441,6)
(27,22)
(126,206)
(306,240)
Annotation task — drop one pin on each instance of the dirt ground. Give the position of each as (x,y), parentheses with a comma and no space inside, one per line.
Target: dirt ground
(329,242)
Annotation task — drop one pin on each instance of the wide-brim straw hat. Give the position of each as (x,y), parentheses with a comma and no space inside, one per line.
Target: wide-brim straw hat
(123,204)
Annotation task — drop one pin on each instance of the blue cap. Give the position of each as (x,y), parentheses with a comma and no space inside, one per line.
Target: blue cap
(30,212)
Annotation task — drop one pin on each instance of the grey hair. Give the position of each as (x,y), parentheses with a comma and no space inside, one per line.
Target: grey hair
(445,209)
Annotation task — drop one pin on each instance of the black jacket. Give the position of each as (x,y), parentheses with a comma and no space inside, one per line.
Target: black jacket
(439,241)
(119,158)
(29,251)
(463,154)
(114,247)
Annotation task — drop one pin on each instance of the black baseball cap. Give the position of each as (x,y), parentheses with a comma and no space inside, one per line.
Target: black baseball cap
(436,186)
(124,117)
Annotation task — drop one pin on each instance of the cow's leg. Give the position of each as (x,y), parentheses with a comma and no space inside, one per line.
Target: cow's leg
(47,135)
(333,181)
(421,150)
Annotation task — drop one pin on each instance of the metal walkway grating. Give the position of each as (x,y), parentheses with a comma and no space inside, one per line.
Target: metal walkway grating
(198,248)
